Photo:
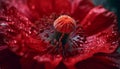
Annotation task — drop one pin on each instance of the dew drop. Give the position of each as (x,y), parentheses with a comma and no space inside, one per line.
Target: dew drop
(3,24)
(29,32)
(33,7)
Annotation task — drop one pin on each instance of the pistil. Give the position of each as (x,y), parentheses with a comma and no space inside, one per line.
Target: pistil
(64,25)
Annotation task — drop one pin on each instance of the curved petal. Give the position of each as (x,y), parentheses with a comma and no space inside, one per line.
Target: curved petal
(97,20)
(42,7)
(105,41)
(112,59)
(62,6)
(23,40)
(47,7)
(18,30)
(98,61)
(80,8)
(50,61)
(45,62)
(22,7)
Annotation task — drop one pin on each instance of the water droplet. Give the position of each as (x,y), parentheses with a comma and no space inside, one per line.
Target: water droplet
(58,56)
(21,53)
(33,7)
(29,32)
(3,24)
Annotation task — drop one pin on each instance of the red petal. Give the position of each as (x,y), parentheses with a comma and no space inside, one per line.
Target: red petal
(109,59)
(105,41)
(47,7)
(97,20)
(62,6)
(23,47)
(22,7)
(98,61)
(23,40)
(45,61)
(43,7)
(80,8)
(51,61)
(19,32)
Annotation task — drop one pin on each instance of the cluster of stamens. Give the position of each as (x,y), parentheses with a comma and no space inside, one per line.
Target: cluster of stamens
(61,35)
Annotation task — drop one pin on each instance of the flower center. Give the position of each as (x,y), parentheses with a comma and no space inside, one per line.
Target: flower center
(63,25)
(61,34)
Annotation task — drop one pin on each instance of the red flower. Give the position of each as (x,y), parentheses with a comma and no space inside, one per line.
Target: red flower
(57,32)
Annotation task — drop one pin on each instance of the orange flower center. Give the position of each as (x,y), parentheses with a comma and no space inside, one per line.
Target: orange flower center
(64,24)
